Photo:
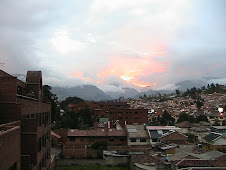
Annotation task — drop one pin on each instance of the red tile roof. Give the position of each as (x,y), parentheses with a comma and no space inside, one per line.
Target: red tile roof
(146,158)
(195,163)
(55,134)
(220,161)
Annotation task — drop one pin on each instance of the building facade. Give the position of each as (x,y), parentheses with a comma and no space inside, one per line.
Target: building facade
(10,146)
(23,101)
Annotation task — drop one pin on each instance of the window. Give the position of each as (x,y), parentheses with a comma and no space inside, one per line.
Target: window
(81,139)
(122,139)
(133,140)
(154,140)
(143,140)
(72,138)
(91,139)
(112,139)
(136,112)
(39,145)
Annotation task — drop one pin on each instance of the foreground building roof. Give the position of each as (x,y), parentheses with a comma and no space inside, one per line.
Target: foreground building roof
(96,132)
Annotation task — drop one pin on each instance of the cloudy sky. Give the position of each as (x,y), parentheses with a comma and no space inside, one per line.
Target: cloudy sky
(114,43)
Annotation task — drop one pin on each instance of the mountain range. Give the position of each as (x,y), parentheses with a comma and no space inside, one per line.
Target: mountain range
(92,93)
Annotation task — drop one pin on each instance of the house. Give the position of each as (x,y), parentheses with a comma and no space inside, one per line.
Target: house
(199,132)
(215,141)
(137,136)
(214,117)
(219,129)
(209,160)
(155,132)
(186,163)
(185,126)
(122,115)
(173,137)
(79,141)
(167,148)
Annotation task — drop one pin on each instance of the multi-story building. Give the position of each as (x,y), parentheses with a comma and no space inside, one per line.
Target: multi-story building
(123,116)
(10,146)
(23,101)
(79,141)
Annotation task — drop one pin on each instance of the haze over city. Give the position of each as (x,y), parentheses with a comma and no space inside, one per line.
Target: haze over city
(115,44)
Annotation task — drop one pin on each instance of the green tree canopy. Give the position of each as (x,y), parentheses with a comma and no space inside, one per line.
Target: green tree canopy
(185,117)
(70,100)
(201,118)
(166,119)
(48,96)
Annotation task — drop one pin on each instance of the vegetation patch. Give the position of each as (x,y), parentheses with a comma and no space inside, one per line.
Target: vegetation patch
(91,167)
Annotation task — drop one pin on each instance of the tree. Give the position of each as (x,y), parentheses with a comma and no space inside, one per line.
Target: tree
(185,117)
(177,92)
(208,86)
(81,119)
(70,100)
(48,96)
(223,123)
(203,88)
(99,145)
(166,119)
(212,86)
(199,104)
(201,118)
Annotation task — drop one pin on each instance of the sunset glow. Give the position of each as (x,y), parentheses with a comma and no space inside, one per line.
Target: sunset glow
(126,78)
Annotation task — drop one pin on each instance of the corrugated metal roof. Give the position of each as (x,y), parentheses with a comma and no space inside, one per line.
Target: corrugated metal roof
(212,136)
(136,131)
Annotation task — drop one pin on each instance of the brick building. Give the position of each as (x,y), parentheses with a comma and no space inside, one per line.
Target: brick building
(23,101)
(80,140)
(123,115)
(10,146)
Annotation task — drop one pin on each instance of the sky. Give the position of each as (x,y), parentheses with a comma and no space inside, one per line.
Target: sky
(114,44)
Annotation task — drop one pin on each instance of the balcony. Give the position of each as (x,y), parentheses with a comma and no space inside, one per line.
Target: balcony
(25,97)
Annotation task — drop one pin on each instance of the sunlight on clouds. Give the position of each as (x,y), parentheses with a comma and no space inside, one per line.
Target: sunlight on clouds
(63,43)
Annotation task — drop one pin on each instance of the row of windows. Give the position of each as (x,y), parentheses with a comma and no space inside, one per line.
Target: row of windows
(135,140)
(42,141)
(120,118)
(122,113)
(44,159)
(43,118)
(73,138)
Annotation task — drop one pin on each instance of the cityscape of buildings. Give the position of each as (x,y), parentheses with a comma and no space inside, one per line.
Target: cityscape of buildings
(145,133)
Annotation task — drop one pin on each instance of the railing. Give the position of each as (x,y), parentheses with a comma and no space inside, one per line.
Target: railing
(26,98)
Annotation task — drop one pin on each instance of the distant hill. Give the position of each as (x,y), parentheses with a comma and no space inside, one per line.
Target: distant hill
(127,93)
(91,92)
(187,84)
(85,92)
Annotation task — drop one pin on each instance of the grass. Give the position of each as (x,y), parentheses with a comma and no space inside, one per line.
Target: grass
(91,167)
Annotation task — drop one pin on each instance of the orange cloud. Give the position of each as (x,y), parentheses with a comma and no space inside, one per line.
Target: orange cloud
(80,75)
(131,70)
